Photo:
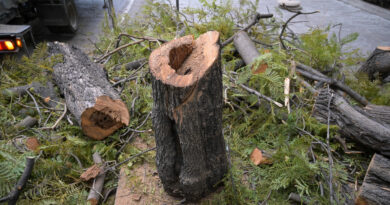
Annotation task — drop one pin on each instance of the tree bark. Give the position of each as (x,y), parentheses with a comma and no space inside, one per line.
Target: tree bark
(377,63)
(89,96)
(376,185)
(363,125)
(245,47)
(187,115)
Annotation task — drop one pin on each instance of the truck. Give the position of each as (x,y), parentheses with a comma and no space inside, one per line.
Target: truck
(59,16)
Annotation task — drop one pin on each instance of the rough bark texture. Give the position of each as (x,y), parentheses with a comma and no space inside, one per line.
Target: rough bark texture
(377,63)
(376,185)
(187,115)
(89,96)
(363,125)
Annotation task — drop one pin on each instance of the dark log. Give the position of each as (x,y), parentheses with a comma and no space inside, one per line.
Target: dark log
(245,47)
(44,91)
(89,96)
(27,122)
(377,63)
(376,185)
(132,65)
(98,183)
(362,125)
(12,198)
(187,115)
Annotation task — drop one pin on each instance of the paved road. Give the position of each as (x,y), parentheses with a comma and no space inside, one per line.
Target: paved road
(91,15)
(371,22)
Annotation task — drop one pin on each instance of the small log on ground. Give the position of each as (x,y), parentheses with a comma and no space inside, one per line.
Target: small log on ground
(377,63)
(44,91)
(88,94)
(27,122)
(376,185)
(131,65)
(362,125)
(98,183)
(187,115)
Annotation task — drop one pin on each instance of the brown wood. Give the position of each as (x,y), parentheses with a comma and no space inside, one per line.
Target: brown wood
(187,115)
(376,185)
(89,96)
(378,63)
(362,125)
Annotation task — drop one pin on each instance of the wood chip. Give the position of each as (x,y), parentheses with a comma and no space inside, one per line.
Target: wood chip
(90,173)
(257,157)
(136,197)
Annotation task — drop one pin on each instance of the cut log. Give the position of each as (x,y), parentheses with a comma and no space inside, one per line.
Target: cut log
(376,185)
(187,115)
(361,125)
(27,122)
(377,63)
(89,96)
(132,65)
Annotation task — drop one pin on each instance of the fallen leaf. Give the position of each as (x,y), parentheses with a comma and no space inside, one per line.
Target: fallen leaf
(90,173)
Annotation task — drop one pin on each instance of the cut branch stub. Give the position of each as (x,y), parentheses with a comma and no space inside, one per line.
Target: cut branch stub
(89,96)
(377,63)
(187,115)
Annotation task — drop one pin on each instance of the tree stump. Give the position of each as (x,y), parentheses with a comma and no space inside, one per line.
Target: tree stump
(187,115)
(89,96)
(377,63)
(376,185)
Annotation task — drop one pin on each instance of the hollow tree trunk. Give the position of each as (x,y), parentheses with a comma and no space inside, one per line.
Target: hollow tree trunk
(187,115)
(89,96)
(377,63)
(362,125)
(376,185)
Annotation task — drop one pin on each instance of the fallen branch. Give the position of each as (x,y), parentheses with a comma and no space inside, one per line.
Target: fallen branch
(117,49)
(13,196)
(27,122)
(312,74)
(288,21)
(98,183)
(128,159)
(255,92)
(254,21)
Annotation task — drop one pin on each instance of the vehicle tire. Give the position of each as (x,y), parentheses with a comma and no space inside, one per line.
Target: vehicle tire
(72,17)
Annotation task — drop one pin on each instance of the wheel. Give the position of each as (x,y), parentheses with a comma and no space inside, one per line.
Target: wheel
(72,17)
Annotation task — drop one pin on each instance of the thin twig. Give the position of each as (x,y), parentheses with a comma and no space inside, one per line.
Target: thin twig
(266,198)
(118,49)
(328,150)
(255,92)
(58,120)
(288,21)
(254,21)
(36,105)
(128,159)
(13,196)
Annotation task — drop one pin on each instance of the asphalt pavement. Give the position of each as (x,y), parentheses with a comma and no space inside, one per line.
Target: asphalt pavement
(370,21)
